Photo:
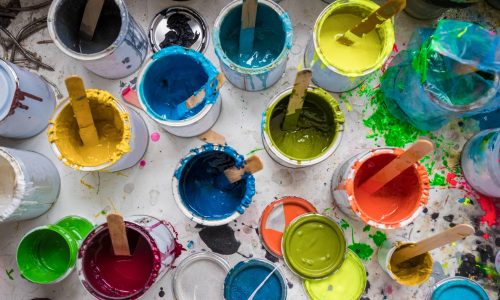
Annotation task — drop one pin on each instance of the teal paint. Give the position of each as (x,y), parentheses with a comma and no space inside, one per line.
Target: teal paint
(459,289)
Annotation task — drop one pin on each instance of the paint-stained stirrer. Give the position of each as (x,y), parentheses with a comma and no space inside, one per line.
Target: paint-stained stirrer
(253,164)
(118,234)
(296,101)
(247,31)
(90,18)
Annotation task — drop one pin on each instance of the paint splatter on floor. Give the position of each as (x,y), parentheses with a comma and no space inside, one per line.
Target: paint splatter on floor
(142,164)
(190,244)
(254,151)
(364,251)
(344,224)
(86,184)
(9,273)
(155,136)
(219,239)
(161,293)
(378,238)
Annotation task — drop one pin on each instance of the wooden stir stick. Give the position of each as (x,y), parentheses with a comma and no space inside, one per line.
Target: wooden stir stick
(118,234)
(192,101)
(253,164)
(296,101)
(90,18)
(247,30)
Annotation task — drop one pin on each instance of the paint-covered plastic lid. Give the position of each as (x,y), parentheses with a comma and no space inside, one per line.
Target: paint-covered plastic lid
(7,88)
(276,217)
(178,25)
(458,288)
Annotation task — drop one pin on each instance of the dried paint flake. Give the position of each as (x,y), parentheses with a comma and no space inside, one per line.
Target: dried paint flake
(9,273)
(378,238)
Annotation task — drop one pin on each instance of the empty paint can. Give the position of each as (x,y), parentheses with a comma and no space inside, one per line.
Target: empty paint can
(172,76)
(395,205)
(265,63)
(337,67)
(106,276)
(29,187)
(118,47)
(318,134)
(457,287)
(25,99)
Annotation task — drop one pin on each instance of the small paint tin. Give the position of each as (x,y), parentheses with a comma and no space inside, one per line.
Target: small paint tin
(29,187)
(47,254)
(170,77)
(313,246)
(424,9)
(277,216)
(255,276)
(25,99)
(321,117)
(195,188)
(273,23)
(199,275)
(330,70)
(106,276)
(383,212)
(119,45)
(457,287)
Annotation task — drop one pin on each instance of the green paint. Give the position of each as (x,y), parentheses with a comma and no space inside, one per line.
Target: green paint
(367,228)
(344,224)
(9,273)
(378,238)
(254,151)
(364,251)
(438,180)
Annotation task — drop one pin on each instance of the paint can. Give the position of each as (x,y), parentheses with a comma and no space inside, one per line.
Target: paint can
(119,45)
(47,254)
(424,9)
(340,68)
(480,162)
(255,277)
(457,287)
(396,205)
(29,187)
(197,193)
(120,128)
(313,246)
(25,99)
(169,78)
(321,127)
(266,64)
(106,276)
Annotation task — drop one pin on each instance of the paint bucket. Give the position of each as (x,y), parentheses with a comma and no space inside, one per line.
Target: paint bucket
(255,276)
(107,276)
(29,187)
(276,217)
(272,42)
(313,246)
(172,76)
(196,192)
(47,254)
(481,162)
(200,275)
(25,99)
(119,45)
(396,205)
(424,9)
(457,287)
(122,131)
(339,68)
(348,282)
(321,127)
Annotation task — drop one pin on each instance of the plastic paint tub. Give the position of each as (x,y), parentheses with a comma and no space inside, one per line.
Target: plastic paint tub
(119,45)
(395,205)
(313,246)
(481,162)
(25,99)
(195,188)
(47,254)
(106,276)
(424,9)
(123,135)
(321,126)
(348,283)
(273,37)
(172,76)
(247,276)
(457,288)
(339,68)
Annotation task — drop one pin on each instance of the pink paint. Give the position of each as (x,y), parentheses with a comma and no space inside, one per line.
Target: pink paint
(488,206)
(451,179)
(155,136)
(486,236)
(142,164)
(178,246)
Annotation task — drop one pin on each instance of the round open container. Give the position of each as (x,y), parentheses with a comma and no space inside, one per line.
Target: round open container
(457,287)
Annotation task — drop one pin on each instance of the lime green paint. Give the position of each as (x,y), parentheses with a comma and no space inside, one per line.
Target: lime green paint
(76,226)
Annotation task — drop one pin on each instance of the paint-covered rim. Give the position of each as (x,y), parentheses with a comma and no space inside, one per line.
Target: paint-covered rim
(388,258)
(477,287)
(6,107)
(19,181)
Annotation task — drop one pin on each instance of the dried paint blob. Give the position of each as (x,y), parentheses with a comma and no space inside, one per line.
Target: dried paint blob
(459,288)
(155,136)
(414,271)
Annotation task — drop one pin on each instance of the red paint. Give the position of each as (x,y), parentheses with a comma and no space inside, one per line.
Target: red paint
(178,246)
(488,206)
(451,179)
(142,164)
(486,236)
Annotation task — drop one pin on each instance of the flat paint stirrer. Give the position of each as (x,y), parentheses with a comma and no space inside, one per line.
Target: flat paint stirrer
(247,31)
(90,18)
(296,101)
(118,234)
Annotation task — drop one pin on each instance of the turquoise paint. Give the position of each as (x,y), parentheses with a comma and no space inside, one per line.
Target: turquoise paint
(459,289)
(246,40)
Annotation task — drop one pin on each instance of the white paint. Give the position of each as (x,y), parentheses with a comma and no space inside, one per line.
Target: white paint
(7,184)
(200,280)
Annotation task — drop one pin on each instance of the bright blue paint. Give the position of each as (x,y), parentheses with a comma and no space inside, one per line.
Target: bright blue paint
(488,120)
(459,289)
(246,40)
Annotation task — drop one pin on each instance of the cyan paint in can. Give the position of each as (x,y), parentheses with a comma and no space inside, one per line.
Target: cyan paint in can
(457,287)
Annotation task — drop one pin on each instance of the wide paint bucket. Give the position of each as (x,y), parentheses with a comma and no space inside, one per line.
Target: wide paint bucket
(106,276)
(255,276)
(313,246)
(197,193)
(337,67)
(25,99)
(424,9)
(319,132)
(29,187)
(172,76)
(457,288)
(395,205)
(123,135)
(265,64)
(348,282)
(481,162)
(118,47)
(47,254)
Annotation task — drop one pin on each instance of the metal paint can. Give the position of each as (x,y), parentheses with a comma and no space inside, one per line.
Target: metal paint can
(25,99)
(424,9)
(457,286)
(30,185)
(119,45)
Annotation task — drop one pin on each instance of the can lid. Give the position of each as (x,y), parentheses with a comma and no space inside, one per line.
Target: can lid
(8,88)
(178,25)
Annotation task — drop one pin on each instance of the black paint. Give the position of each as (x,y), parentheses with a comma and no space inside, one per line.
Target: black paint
(161,293)
(497,242)
(367,286)
(271,257)
(290,285)
(449,218)
(486,253)
(469,268)
(425,210)
(435,215)
(181,33)
(219,239)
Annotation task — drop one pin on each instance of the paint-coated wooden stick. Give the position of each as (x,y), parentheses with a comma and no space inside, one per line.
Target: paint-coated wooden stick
(296,101)
(118,234)
(247,31)
(90,18)
(451,235)
(195,99)
(213,138)
(253,164)
(397,166)
(130,96)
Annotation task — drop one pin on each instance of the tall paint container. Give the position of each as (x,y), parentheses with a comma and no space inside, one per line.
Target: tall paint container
(457,287)
(119,45)
(266,63)
(29,187)
(25,99)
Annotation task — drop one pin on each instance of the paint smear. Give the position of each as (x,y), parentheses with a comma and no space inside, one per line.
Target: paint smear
(155,136)
(378,238)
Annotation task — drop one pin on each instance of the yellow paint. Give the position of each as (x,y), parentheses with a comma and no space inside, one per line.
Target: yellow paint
(86,184)
(414,271)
